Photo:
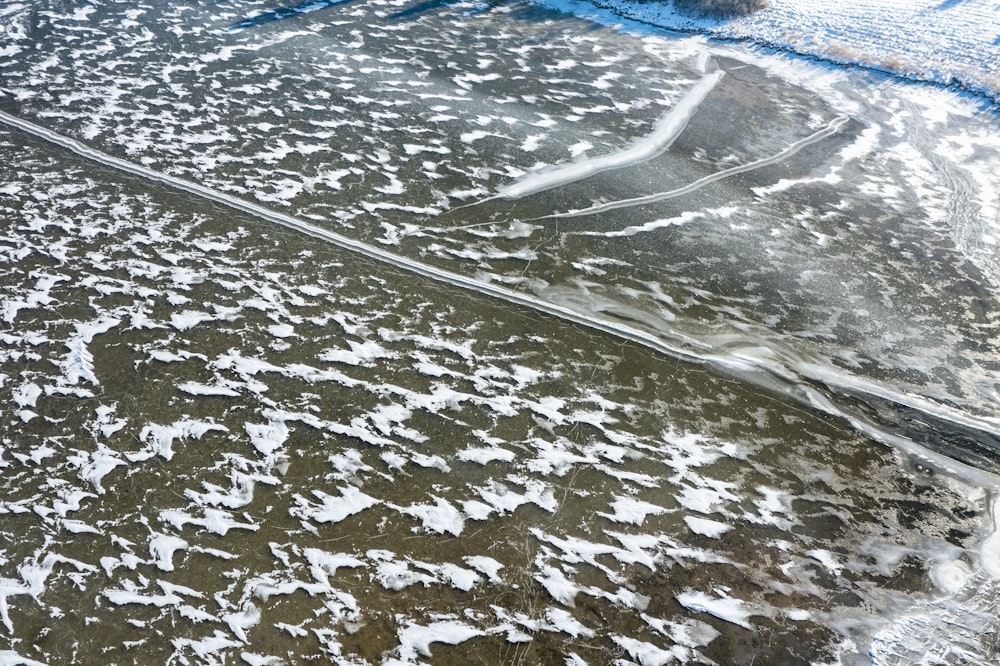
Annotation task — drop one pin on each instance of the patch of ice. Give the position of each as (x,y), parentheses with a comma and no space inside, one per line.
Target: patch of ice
(989,552)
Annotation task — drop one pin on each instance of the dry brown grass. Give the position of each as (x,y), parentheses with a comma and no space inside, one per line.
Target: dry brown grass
(719,8)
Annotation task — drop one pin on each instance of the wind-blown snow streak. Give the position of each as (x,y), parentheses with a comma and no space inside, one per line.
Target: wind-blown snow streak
(667,130)
(829,130)
(763,372)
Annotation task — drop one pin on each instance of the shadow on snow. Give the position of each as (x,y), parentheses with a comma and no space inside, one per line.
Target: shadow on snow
(284,12)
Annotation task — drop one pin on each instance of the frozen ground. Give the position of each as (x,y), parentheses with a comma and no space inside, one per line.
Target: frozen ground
(949,42)
(380,332)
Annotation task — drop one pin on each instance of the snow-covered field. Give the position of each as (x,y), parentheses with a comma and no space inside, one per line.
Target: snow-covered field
(948,42)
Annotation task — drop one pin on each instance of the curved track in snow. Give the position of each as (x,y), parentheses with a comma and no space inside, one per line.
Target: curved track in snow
(827,131)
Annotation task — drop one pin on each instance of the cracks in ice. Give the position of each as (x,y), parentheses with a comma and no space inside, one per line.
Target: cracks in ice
(832,128)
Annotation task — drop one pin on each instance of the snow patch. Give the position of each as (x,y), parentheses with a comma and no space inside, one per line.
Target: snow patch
(723,607)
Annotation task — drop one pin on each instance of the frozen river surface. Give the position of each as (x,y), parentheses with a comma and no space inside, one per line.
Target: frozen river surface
(377,332)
